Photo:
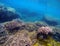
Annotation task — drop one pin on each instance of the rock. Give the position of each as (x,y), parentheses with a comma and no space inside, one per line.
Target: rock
(3,39)
(6,15)
(2,28)
(20,39)
(56,29)
(13,25)
(3,31)
(3,34)
(49,21)
(30,27)
(41,23)
(41,36)
(56,36)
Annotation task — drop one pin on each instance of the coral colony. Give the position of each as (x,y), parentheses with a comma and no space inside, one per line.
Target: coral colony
(15,32)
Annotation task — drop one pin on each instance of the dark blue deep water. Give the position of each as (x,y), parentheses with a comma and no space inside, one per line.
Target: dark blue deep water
(34,10)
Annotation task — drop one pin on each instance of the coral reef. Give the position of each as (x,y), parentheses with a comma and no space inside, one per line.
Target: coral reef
(45,29)
(15,32)
(19,33)
(20,39)
(14,25)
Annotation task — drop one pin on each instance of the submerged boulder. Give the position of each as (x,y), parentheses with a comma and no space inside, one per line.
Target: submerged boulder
(20,39)
(13,25)
(56,36)
(3,34)
(7,14)
(50,21)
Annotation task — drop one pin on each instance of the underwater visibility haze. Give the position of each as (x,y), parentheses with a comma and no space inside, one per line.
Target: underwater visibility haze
(29,22)
(35,8)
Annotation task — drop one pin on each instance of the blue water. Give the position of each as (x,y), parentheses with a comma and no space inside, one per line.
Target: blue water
(34,10)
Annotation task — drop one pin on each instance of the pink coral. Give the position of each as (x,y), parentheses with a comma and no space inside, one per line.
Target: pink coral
(45,29)
(13,24)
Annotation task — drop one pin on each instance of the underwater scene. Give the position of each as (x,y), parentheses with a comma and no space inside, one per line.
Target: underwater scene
(29,22)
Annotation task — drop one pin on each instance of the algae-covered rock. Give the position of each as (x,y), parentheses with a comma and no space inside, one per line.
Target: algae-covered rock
(13,25)
(47,42)
(50,21)
(2,28)
(41,23)
(6,14)
(20,39)
(30,27)
(3,34)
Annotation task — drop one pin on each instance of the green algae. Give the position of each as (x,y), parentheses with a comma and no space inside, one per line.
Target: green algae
(47,42)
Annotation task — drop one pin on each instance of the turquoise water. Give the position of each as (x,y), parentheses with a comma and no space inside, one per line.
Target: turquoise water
(34,10)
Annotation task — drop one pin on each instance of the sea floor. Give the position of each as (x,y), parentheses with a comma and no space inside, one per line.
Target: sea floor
(16,32)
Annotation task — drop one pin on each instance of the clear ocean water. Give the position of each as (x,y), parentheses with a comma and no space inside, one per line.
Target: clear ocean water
(34,10)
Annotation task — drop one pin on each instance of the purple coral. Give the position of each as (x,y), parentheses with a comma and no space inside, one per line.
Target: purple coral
(14,25)
(45,29)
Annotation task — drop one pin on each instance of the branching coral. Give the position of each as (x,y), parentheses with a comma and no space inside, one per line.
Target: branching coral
(45,29)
